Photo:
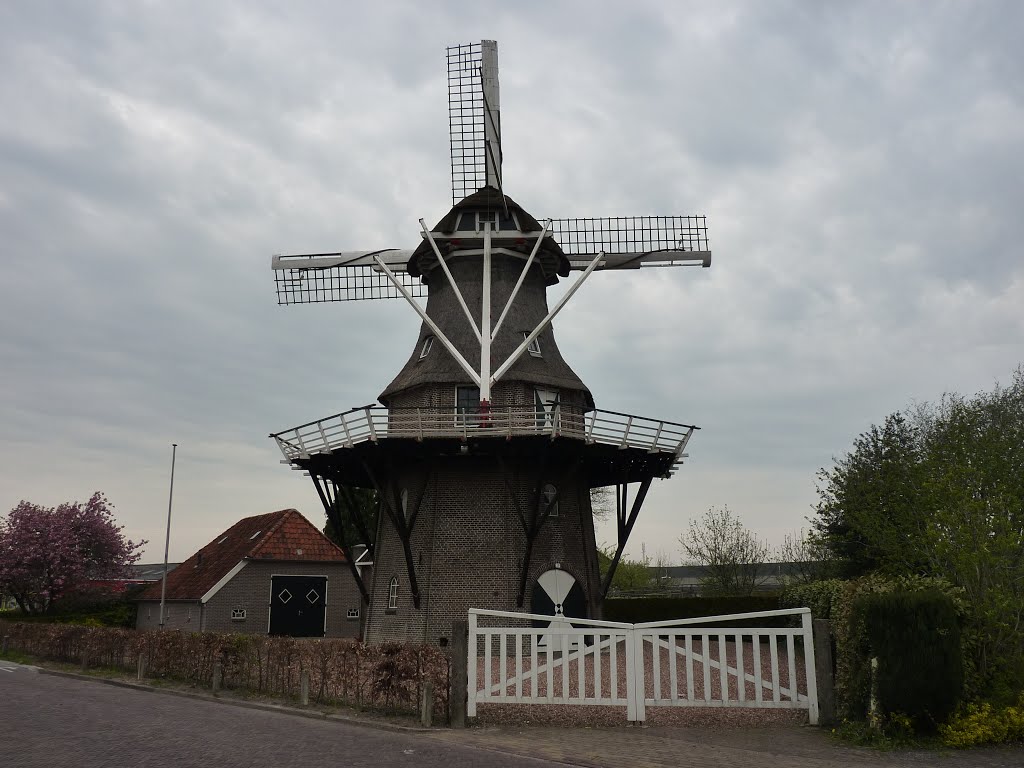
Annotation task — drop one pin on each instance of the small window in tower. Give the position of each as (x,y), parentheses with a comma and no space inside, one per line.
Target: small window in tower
(549,496)
(534,346)
(393,594)
(506,223)
(428,342)
(467,222)
(488,218)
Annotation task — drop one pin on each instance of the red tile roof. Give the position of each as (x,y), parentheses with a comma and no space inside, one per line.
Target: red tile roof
(280,536)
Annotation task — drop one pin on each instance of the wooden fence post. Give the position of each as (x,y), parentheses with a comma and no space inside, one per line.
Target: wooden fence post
(141,667)
(460,673)
(427,704)
(823,671)
(304,688)
(85,660)
(6,645)
(218,675)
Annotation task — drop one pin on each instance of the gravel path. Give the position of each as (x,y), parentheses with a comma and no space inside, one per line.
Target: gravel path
(661,669)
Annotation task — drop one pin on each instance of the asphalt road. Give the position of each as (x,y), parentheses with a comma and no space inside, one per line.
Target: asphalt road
(50,722)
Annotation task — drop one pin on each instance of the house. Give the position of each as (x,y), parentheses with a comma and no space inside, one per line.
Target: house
(274,573)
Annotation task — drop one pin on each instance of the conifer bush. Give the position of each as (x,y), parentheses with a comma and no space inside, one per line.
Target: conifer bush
(916,638)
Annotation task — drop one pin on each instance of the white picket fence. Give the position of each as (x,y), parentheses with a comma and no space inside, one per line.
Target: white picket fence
(680,663)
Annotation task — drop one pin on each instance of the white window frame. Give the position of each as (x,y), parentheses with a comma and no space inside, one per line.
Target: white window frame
(238,614)
(393,594)
(428,343)
(352,613)
(534,346)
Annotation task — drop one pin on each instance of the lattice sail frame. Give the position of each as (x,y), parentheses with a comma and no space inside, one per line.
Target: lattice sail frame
(474,117)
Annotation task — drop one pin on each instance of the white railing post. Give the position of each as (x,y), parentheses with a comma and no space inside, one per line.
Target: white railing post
(369,423)
(471,667)
(812,677)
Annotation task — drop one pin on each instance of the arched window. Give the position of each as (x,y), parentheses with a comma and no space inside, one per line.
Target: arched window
(549,496)
(393,594)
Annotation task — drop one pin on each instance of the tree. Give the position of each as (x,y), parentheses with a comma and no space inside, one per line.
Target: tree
(630,575)
(50,552)
(729,552)
(601,502)
(939,490)
(808,556)
(870,503)
(366,502)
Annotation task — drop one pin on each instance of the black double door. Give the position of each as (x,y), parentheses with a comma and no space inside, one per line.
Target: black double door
(298,605)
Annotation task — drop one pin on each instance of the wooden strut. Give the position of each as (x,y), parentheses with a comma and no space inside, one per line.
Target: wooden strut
(538,516)
(402,526)
(334,515)
(625,524)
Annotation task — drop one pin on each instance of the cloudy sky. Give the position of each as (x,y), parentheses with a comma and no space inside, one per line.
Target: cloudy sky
(861,166)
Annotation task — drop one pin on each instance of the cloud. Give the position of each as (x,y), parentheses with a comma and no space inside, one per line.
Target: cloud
(859,166)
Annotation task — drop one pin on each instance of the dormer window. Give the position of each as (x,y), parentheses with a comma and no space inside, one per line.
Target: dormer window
(428,342)
(474,221)
(534,346)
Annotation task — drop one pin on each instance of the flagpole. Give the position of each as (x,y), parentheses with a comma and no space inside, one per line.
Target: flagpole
(167,540)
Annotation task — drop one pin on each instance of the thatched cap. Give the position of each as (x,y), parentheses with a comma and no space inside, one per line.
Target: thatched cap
(488,199)
(438,370)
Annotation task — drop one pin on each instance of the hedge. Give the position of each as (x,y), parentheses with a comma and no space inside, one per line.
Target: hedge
(915,636)
(342,671)
(635,610)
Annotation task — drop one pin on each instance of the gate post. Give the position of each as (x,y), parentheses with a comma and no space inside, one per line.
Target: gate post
(826,681)
(811,670)
(460,668)
(635,707)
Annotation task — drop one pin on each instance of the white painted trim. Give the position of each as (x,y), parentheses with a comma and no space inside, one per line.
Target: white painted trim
(224,580)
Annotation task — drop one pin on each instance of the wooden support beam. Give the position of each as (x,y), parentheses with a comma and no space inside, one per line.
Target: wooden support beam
(625,524)
(333,513)
(397,518)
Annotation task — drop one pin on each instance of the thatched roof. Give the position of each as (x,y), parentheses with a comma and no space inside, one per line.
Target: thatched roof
(530,307)
(550,256)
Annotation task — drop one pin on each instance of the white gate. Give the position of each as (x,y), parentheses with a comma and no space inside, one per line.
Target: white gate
(680,663)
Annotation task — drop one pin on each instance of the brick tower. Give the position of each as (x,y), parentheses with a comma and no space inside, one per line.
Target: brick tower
(487,444)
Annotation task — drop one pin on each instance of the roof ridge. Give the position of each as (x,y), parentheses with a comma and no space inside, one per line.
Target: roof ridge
(283,515)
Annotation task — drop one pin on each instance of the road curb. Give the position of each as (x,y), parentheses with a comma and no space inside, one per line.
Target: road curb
(281,709)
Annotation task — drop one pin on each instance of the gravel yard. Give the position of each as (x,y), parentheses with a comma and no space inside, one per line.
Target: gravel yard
(688,710)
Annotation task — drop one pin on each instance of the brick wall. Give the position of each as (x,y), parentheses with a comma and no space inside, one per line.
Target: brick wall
(468,544)
(250,590)
(179,614)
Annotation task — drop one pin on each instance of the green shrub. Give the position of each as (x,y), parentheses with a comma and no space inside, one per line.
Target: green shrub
(978,724)
(916,638)
(636,610)
(819,596)
(853,647)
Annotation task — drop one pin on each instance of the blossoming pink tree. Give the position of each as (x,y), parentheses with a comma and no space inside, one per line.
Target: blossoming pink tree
(46,553)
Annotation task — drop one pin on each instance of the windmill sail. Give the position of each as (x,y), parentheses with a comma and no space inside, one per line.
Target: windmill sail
(631,242)
(313,278)
(474,119)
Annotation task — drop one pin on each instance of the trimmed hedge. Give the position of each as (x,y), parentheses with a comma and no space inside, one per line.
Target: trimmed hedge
(387,676)
(634,610)
(916,638)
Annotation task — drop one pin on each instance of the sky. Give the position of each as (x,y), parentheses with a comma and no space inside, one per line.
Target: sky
(861,165)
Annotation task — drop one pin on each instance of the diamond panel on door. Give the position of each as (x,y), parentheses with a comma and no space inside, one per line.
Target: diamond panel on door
(303,617)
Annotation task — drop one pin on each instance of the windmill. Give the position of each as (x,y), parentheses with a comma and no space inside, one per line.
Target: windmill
(486,445)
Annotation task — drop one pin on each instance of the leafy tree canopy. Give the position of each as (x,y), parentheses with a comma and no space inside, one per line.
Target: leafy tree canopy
(49,552)
(939,490)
